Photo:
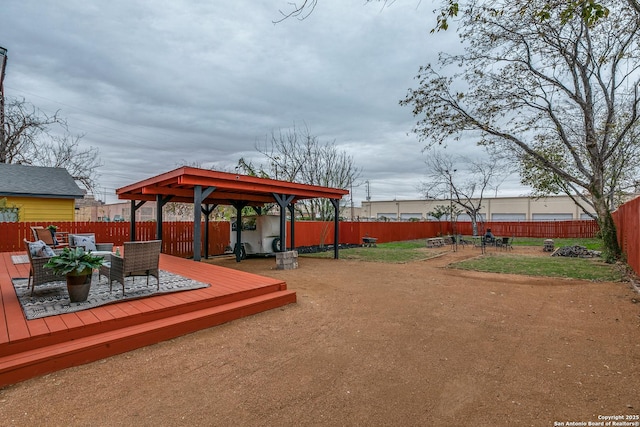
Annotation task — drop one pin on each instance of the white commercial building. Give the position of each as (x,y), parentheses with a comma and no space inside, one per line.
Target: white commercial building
(552,208)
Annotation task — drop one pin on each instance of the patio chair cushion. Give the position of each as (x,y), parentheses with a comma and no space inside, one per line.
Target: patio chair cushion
(88,242)
(40,249)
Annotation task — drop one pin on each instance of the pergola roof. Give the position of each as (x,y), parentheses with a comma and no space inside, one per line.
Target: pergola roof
(229,188)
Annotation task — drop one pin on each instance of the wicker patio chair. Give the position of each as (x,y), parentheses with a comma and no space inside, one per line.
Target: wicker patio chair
(41,233)
(39,275)
(73,242)
(139,259)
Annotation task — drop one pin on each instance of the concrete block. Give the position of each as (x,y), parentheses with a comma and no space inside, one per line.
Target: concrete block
(287,260)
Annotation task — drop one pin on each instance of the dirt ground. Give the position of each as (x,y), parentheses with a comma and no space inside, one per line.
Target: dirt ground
(372,344)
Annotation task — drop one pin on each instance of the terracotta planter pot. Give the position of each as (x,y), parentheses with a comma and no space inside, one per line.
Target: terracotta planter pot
(78,286)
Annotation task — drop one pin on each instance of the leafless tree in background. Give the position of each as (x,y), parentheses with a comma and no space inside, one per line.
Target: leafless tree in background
(295,155)
(32,137)
(462,180)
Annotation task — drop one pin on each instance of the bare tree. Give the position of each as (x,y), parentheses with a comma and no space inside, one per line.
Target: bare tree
(302,10)
(297,156)
(31,137)
(297,10)
(557,91)
(466,188)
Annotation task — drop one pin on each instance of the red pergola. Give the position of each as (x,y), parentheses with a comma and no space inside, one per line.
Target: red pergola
(207,189)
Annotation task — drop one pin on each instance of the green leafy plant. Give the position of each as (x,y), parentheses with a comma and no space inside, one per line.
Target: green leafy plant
(74,261)
(52,227)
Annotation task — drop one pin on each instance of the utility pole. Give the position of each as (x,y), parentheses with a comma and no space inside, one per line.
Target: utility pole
(3,66)
(368,191)
(351,194)
(450,177)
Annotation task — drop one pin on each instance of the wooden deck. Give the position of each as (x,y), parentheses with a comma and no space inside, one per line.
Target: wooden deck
(29,348)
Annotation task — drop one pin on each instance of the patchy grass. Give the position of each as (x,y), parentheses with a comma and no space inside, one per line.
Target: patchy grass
(574,268)
(495,262)
(393,252)
(592,244)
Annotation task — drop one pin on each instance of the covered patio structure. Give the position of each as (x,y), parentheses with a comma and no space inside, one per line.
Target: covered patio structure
(207,189)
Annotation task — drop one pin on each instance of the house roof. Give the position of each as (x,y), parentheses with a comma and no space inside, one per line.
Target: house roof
(229,188)
(37,181)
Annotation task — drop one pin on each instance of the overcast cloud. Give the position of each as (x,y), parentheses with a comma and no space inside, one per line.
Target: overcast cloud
(155,84)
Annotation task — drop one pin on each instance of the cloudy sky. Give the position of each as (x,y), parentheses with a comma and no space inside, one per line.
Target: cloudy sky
(157,84)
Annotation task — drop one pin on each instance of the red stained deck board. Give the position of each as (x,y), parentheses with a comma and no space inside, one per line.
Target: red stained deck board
(87,317)
(16,323)
(38,327)
(72,321)
(146,304)
(55,324)
(56,342)
(129,309)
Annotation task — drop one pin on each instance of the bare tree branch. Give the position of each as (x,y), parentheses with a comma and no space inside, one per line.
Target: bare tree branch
(296,155)
(32,137)
(300,12)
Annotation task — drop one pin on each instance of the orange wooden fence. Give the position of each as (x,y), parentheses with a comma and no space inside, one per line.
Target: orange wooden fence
(627,219)
(177,237)
(545,229)
(353,232)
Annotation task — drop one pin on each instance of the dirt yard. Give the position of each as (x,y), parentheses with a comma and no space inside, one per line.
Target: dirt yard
(371,344)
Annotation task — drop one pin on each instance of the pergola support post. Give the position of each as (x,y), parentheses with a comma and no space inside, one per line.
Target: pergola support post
(160,202)
(283,201)
(199,195)
(132,224)
(207,209)
(292,239)
(336,226)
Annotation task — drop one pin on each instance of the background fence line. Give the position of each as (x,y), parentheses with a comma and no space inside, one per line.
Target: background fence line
(177,237)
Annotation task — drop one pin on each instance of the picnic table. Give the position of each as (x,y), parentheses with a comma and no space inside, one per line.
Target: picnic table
(435,242)
(369,241)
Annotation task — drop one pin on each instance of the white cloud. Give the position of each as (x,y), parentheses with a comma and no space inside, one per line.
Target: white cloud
(157,84)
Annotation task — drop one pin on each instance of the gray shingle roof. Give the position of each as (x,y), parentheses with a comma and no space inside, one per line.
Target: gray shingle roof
(37,181)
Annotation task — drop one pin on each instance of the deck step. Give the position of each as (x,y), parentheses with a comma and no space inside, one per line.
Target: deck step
(31,363)
(79,331)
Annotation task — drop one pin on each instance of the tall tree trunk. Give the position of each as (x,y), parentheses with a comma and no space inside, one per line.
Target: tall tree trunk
(612,250)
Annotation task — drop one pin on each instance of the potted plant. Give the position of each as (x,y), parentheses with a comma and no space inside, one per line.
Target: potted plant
(77,265)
